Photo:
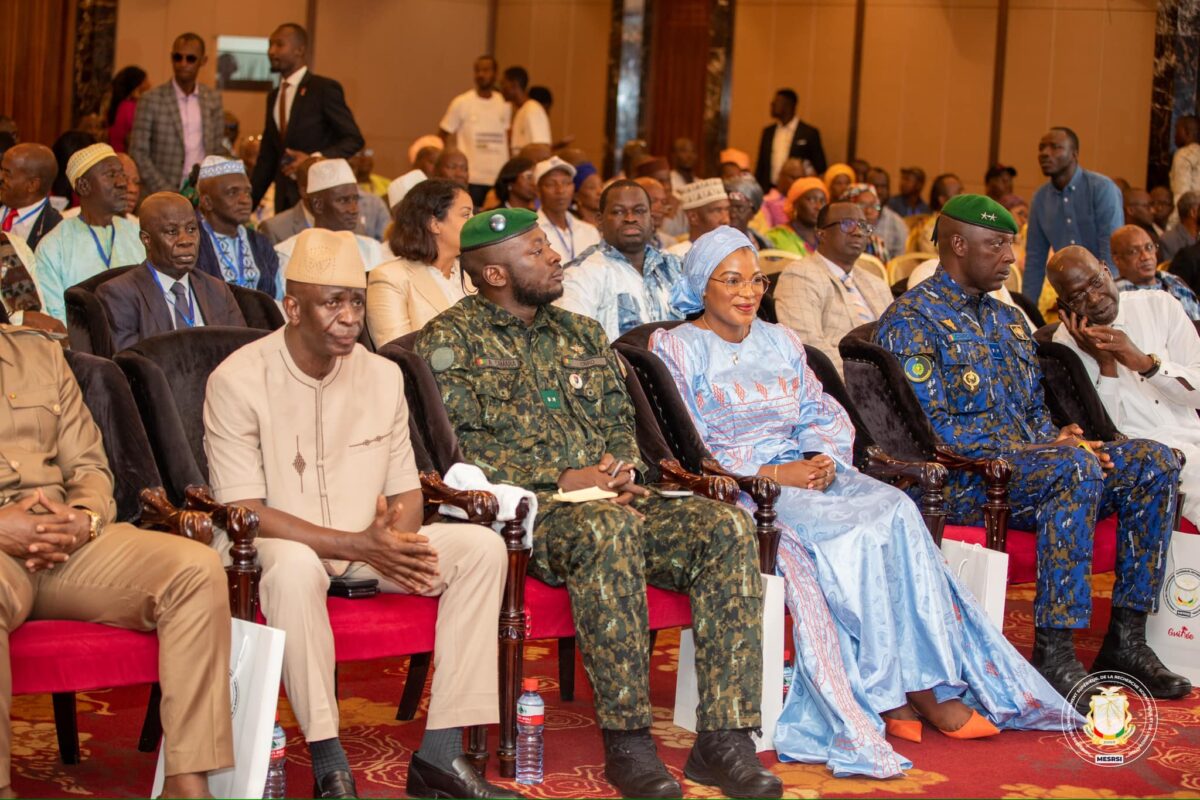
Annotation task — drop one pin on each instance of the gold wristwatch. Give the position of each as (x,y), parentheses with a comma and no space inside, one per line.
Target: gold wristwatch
(95,524)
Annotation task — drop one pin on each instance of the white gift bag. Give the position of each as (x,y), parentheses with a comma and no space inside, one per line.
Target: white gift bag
(687,694)
(255,665)
(1174,631)
(981,571)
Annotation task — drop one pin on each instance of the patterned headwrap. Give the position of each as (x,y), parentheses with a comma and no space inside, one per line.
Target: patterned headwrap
(707,253)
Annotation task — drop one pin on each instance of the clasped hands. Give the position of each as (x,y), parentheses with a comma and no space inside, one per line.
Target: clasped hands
(42,538)
(816,473)
(1072,436)
(609,474)
(404,558)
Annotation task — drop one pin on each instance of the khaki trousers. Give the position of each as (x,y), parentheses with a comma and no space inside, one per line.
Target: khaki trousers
(472,562)
(140,580)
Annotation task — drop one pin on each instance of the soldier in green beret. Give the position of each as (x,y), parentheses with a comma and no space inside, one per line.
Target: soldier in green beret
(538,400)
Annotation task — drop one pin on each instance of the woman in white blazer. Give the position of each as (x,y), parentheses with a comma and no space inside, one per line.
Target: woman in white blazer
(424,278)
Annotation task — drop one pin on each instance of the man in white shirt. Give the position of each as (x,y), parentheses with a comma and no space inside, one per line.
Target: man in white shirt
(1141,351)
(570,237)
(1185,165)
(479,119)
(332,199)
(530,123)
(706,205)
(626,281)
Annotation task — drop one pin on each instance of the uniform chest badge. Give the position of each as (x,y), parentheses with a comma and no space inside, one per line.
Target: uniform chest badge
(1018,330)
(971,379)
(918,369)
(575,380)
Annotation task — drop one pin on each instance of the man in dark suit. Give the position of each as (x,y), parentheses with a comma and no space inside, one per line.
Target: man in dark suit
(788,137)
(228,249)
(178,123)
(27,173)
(306,115)
(165,293)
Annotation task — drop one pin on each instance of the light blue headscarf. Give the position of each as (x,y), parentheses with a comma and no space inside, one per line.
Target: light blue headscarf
(707,253)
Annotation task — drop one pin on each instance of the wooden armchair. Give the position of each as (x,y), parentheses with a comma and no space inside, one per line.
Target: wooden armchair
(895,419)
(63,657)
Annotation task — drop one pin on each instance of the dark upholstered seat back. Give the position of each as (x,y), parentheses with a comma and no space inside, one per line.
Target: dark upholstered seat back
(884,400)
(258,308)
(87,322)
(106,395)
(435,446)
(1030,308)
(168,375)
(833,385)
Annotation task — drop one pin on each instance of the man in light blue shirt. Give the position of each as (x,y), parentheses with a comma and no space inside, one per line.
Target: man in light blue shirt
(99,238)
(1075,207)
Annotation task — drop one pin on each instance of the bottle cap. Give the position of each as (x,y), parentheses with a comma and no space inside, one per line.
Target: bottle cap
(529,684)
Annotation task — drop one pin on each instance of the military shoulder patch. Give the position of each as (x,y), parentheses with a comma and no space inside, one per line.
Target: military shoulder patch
(441,359)
(918,369)
(1018,330)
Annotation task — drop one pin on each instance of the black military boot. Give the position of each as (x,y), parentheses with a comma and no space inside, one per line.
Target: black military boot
(632,765)
(727,759)
(1054,657)
(1125,650)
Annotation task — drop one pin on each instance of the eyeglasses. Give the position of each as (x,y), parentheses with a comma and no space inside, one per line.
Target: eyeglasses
(849,225)
(190,58)
(1096,284)
(1148,248)
(876,207)
(758,283)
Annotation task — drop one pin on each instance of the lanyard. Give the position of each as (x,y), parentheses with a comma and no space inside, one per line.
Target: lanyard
(31,212)
(112,244)
(570,232)
(236,269)
(189,318)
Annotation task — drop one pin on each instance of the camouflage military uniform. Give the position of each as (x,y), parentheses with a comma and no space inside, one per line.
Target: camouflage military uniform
(528,403)
(973,366)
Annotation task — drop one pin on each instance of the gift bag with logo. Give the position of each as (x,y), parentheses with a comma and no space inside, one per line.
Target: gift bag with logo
(687,693)
(982,572)
(1174,631)
(255,665)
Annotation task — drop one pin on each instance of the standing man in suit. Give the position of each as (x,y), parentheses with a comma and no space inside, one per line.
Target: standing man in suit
(788,137)
(178,123)
(165,293)
(306,116)
(27,173)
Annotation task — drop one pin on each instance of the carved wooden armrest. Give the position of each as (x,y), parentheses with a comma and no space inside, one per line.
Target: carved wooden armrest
(239,522)
(241,526)
(929,475)
(159,512)
(764,492)
(996,473)
(714,487)
(481,507)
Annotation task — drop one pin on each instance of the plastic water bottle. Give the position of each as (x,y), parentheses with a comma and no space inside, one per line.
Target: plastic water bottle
(788,670)
(277,768)
(531,720)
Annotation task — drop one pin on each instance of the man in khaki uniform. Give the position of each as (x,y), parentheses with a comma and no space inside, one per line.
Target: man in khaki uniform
(65,558)
(311,430)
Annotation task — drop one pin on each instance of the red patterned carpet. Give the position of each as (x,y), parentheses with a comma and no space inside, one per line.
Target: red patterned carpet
(1013,765)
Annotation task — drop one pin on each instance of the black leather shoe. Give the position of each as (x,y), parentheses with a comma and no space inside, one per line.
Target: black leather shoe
(632,765)
(426,780)
(339,783)
(1054,657)
(1125,650)
(727,759)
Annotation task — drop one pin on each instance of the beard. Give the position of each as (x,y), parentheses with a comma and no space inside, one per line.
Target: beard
(533,296)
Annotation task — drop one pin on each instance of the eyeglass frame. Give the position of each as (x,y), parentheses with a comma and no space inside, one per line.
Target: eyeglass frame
(190,58)
(759,283)
(856,224)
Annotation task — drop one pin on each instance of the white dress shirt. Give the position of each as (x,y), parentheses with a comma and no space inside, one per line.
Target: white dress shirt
(452,287)
(782,145)
(570,242)
(191,311)
(1162,407)
(23,223)
(293,82)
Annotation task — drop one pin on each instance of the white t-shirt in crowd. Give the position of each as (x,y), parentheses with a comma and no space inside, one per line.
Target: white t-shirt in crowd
(530,125)
(480,125)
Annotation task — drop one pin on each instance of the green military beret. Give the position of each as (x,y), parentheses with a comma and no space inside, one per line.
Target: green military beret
(493,227)
(977,209)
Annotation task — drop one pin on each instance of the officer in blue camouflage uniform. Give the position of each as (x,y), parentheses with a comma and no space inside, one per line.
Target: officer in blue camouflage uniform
(971,361)
(538,400)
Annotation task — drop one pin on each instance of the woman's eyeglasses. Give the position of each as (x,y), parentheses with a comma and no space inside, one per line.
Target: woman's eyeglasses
(758,283)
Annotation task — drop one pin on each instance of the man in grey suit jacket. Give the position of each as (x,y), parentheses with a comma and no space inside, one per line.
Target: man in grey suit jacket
(178,123)
(166,293)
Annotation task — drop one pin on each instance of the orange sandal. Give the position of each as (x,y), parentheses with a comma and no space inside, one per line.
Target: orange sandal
(907,729)
(977,727)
